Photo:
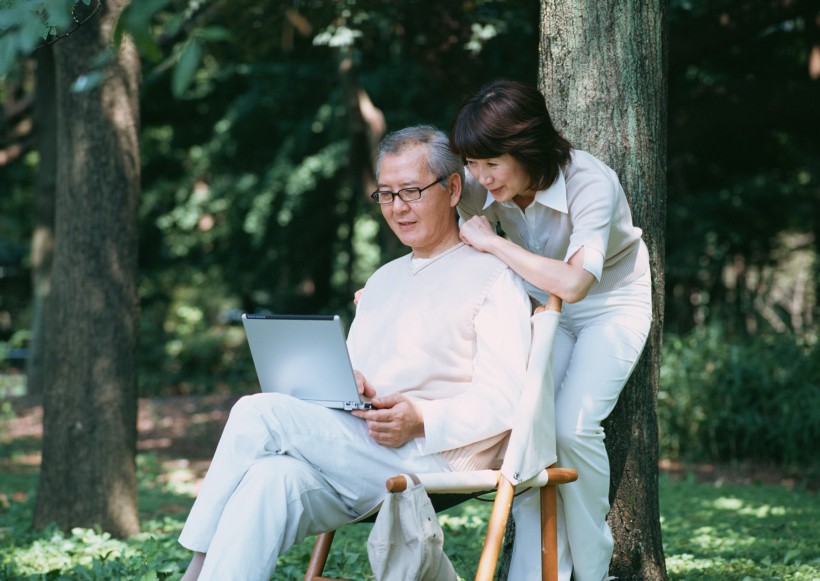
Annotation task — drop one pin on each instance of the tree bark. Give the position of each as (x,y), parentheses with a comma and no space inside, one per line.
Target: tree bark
(88,474)
(603,73)
(42,242)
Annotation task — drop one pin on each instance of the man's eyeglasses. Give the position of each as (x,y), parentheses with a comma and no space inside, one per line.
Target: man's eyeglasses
(406,194)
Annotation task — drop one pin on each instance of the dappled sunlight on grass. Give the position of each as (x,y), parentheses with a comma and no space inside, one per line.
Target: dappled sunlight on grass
(177,476)
(64,551)
(711,530)
(720,539)
(739,532)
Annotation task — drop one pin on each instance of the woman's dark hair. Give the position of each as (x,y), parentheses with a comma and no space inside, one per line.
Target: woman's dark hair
(511,117)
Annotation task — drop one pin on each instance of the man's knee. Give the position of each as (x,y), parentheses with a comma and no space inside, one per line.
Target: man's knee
(244,405)
(252,406)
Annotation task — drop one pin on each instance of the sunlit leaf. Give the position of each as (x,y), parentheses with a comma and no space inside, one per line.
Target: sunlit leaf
(186,67)
(791,555)
(10,16)
(87,82)
(8,53)
(59,14)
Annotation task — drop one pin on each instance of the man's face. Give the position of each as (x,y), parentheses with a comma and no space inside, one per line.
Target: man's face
(426,225)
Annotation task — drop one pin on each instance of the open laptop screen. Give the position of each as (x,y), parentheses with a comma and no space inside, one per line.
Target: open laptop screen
(304,356)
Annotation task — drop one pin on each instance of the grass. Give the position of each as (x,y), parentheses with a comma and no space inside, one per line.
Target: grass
(743,533)
(711,530)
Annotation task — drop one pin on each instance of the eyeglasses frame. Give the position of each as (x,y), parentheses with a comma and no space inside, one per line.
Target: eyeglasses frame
(375,195)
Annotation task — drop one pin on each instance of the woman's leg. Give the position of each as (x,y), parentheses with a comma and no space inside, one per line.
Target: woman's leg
(596,348)
(525,564)
(611,333)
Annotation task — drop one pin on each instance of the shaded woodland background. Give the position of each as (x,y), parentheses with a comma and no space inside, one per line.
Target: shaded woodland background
(257,125)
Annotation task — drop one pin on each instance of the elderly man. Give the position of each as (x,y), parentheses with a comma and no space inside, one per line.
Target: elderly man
(439,341)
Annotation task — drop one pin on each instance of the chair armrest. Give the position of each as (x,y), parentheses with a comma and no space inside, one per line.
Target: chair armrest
(477,480)
(449,482)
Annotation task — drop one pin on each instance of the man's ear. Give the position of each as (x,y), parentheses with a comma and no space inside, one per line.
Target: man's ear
(455,185)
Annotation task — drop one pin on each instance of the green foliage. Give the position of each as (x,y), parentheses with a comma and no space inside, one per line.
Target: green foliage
(26,24)
(736,533)
(249,198)
(726,398)
(744,167)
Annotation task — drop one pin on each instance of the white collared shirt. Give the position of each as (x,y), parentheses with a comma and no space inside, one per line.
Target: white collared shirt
(585,207)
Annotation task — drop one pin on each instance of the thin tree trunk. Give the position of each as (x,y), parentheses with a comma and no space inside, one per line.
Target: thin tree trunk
(366,126)
(42,243)
(88,474)
(603,72)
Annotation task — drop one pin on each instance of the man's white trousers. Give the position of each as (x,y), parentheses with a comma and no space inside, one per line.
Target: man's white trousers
(285,469)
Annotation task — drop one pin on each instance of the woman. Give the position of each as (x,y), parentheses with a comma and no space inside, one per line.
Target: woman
(568,231)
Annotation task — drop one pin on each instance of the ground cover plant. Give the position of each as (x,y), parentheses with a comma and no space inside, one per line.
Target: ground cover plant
(720,524)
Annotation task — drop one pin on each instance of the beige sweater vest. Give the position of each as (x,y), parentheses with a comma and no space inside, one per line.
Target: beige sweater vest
(414,333)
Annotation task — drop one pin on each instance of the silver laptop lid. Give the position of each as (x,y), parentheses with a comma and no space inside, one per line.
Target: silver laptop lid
(304,356)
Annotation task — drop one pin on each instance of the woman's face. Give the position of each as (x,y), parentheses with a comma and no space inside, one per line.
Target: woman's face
(504,177)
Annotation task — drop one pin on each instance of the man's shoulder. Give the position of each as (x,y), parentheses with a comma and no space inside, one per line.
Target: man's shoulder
(464,254)
(463,258)
(479,268)
(477,256)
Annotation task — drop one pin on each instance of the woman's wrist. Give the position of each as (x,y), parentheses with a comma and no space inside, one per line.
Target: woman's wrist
(496,246)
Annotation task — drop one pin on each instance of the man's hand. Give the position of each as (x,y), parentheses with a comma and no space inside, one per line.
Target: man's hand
(364,386)
(396,421)
(478,233)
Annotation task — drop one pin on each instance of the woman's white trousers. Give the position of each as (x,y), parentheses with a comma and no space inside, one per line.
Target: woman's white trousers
(597,346)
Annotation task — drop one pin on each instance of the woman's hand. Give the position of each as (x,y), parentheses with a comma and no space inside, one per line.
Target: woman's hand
(478,233)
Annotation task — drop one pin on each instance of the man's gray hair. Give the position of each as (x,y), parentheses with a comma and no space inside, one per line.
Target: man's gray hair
(441,160)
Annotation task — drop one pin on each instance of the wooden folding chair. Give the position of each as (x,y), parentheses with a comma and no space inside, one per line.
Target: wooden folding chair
(528,463)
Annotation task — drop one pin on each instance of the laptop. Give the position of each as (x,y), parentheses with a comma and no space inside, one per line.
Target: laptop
(304,356)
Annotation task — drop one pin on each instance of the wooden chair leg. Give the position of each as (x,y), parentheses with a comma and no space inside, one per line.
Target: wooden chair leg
(549,533)
(318,558)
(495,531)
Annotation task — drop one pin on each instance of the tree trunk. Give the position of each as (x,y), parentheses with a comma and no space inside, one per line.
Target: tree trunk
(366,126)
(603,72)
(88,474)
(42,243)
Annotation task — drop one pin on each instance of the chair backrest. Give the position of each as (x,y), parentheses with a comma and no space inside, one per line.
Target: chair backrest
(531,446)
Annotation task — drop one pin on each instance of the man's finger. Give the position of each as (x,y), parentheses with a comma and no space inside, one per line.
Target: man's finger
(387,401)
(379,415)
